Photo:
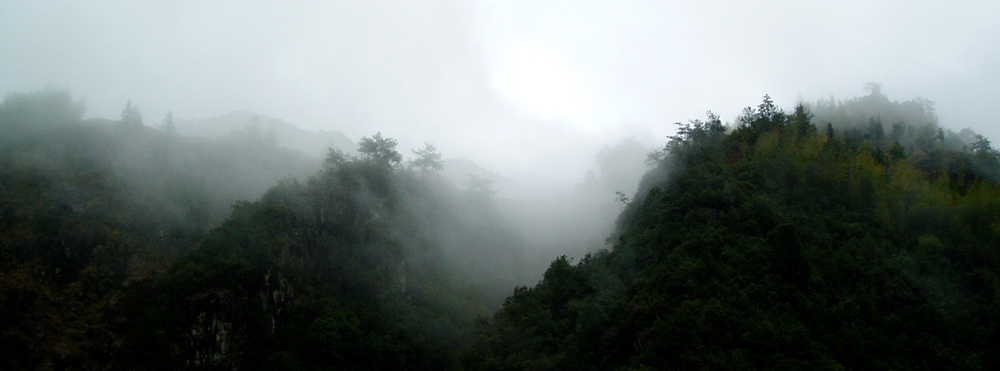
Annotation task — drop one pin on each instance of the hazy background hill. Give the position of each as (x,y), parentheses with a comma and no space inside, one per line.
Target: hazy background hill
(311,142)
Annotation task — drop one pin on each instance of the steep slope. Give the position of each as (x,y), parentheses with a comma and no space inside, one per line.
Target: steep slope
(91,211)
(364,266)
(774,247)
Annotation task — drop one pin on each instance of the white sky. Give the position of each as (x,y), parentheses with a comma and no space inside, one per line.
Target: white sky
(529,88)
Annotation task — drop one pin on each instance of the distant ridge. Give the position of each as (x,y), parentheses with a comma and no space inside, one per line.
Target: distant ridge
(312,142)
(458,170)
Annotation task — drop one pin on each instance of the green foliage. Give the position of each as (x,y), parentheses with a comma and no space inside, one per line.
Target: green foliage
(801,121)
(131,117)
(39,109)
(986,159)
(346,270)
(694,138)
(774,248)
(116,252)
(480,188)
(90,217)
(380,151)
(335,158)
(428,159)
(754,122)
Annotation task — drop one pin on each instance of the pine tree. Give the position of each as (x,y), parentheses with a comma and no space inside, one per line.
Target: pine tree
(168,123)
(428,159)
(131,117)
(380,151)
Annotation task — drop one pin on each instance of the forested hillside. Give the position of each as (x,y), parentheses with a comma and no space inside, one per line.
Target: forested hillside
(91,209)
(777,244)
(131,247)
(853,234)
(363,266)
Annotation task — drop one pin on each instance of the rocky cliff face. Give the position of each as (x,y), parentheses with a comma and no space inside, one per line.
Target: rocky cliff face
(226,325)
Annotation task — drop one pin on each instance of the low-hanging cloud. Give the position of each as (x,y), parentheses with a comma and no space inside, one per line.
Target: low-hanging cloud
(434,71)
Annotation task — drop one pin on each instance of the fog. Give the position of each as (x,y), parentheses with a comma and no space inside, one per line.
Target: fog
(522,88)
(527,94)
(365,183)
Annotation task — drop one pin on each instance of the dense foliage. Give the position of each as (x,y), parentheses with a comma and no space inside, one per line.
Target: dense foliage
(124,247)
(774,245)
(849,234)
(90,210)
(357,268)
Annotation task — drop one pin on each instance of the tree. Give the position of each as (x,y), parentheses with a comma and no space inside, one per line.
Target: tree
(168,123)
(428,159)
(335,158)
(982,145)
(876,132)
(801,120)
(655,157)
(766,117)
(379,151)
(874,89)
(987,158)
(131,117)
(897,152)
(480,187)
(42,108)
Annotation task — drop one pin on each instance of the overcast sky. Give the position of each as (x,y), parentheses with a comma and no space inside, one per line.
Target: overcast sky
(508,84)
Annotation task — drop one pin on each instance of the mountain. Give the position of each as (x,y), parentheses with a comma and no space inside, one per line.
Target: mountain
(855,234)
(283,134)
(458,171)
(771,244)
(129,247)
(363,266)
(93,213)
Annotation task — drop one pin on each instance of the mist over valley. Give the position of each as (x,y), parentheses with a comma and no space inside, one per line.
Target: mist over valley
(499,186)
